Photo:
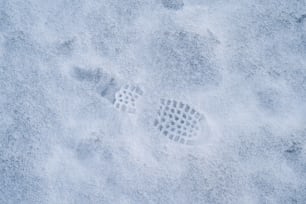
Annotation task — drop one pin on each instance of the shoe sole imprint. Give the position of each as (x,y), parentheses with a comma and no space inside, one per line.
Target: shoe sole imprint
(123,98)
(126,98)
(178,121)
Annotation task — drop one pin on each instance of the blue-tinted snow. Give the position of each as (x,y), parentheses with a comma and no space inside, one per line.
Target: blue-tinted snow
(242,64)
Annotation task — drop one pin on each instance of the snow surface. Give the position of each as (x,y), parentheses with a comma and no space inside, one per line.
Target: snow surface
(242,64)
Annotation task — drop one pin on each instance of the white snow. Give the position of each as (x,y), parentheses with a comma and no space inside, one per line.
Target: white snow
(241,64)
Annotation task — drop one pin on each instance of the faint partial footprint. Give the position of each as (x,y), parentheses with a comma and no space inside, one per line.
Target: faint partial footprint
(123,97)
(89,75)
(173,4)
(178,121)
(87,148)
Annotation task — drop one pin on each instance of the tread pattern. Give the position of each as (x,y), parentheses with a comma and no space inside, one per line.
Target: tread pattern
(178,121)
(126,98)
